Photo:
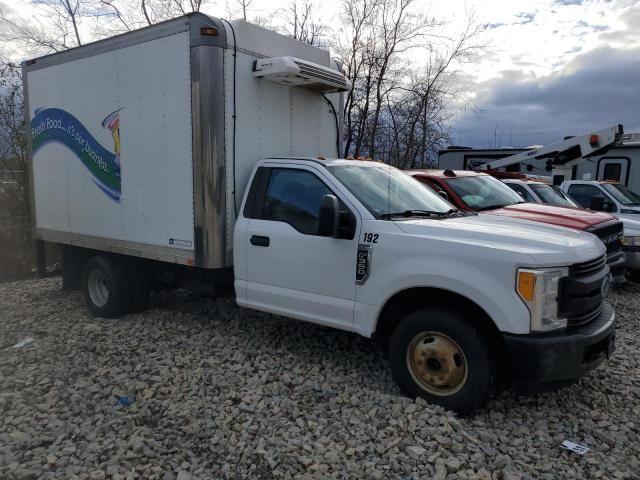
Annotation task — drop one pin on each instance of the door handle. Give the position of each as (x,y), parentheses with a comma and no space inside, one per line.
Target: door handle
(259,241)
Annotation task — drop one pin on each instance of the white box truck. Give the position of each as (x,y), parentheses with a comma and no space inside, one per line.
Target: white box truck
(191,153)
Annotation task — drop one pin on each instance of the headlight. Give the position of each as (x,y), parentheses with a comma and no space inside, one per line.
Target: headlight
(631,241)
(539,290)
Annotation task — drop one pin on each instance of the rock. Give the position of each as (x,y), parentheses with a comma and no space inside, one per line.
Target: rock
(416,451)
(511,476)
(332,457)
(441,470)
(223,392)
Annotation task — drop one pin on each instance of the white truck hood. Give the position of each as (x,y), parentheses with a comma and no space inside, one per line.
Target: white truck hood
(546,245)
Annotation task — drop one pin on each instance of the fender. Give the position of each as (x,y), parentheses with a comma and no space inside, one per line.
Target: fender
(482,286)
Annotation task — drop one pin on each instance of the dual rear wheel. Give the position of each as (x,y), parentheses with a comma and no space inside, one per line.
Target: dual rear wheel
(112,287)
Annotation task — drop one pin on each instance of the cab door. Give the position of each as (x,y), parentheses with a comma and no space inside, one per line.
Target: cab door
(290,269)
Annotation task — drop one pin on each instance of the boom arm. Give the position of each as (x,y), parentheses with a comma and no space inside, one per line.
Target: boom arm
(570,150)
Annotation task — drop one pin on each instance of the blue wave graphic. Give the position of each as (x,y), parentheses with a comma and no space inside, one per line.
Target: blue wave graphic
(57,125)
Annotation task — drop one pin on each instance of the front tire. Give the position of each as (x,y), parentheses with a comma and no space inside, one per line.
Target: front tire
(442,356)
(106,287)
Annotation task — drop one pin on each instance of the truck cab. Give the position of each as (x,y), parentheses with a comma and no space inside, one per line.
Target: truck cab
(480,192)
(360,246)
(618,200)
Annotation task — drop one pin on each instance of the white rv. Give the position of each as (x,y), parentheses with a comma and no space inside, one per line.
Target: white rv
(621,164)
(192,153)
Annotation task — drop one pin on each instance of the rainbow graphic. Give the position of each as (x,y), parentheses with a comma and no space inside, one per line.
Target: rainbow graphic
(56,125)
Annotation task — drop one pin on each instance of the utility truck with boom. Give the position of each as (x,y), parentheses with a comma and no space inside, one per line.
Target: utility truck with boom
(191,153)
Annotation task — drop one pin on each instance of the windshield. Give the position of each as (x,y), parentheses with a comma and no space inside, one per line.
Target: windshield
(483,192)
(622,194)
(384,189)
(552,195)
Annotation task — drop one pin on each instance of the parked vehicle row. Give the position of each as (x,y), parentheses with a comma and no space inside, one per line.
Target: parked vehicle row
(188,154)
(597,169)
(480,192)
(618,200)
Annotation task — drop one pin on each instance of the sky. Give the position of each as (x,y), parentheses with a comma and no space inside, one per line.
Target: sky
(552,68)
(549,68)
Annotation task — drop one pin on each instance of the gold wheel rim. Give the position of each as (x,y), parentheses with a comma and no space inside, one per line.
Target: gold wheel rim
(437,363)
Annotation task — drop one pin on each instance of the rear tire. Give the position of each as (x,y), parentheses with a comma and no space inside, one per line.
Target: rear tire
(106,287)
(443,356)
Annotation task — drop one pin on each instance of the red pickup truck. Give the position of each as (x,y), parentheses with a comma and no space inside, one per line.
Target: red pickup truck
(479,192)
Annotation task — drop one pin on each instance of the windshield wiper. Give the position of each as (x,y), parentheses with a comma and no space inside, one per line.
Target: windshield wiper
(417,213)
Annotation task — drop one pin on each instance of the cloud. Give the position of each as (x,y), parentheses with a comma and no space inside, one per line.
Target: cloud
(628,36)
(525,18)
(594,90)
(595,28)
(569,2)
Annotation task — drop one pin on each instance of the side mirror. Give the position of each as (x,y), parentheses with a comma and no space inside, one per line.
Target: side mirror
(597,204)
(609,206)
(329,216)
(443,194)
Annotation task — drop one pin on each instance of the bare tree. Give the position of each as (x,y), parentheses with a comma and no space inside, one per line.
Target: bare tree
(62,24)
(15,219)
(398,107)
(243,6)
(301,23)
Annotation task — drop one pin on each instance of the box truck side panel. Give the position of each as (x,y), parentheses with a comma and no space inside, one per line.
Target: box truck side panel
(111,143)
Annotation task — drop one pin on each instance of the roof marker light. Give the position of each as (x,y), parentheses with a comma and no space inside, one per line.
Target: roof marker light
(594,140)
(209,31)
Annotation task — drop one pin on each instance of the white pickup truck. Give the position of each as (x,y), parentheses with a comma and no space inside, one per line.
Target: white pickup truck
(618,200)
(197,110)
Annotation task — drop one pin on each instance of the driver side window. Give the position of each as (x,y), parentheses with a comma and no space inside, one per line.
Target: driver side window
(294,197)
(585,194)
(524,193)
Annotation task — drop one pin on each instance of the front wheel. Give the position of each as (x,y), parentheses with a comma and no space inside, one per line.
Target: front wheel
(442,356)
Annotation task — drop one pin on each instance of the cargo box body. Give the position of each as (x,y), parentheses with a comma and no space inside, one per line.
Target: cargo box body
(142,144)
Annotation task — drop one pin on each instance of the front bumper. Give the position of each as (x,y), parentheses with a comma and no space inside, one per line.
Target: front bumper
(617,263)
(632,255)
(561,357)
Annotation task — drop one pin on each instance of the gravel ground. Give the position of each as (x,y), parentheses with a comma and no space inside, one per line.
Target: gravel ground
(221,392)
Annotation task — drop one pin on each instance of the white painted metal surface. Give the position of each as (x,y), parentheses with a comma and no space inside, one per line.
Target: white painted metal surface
(148,86)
